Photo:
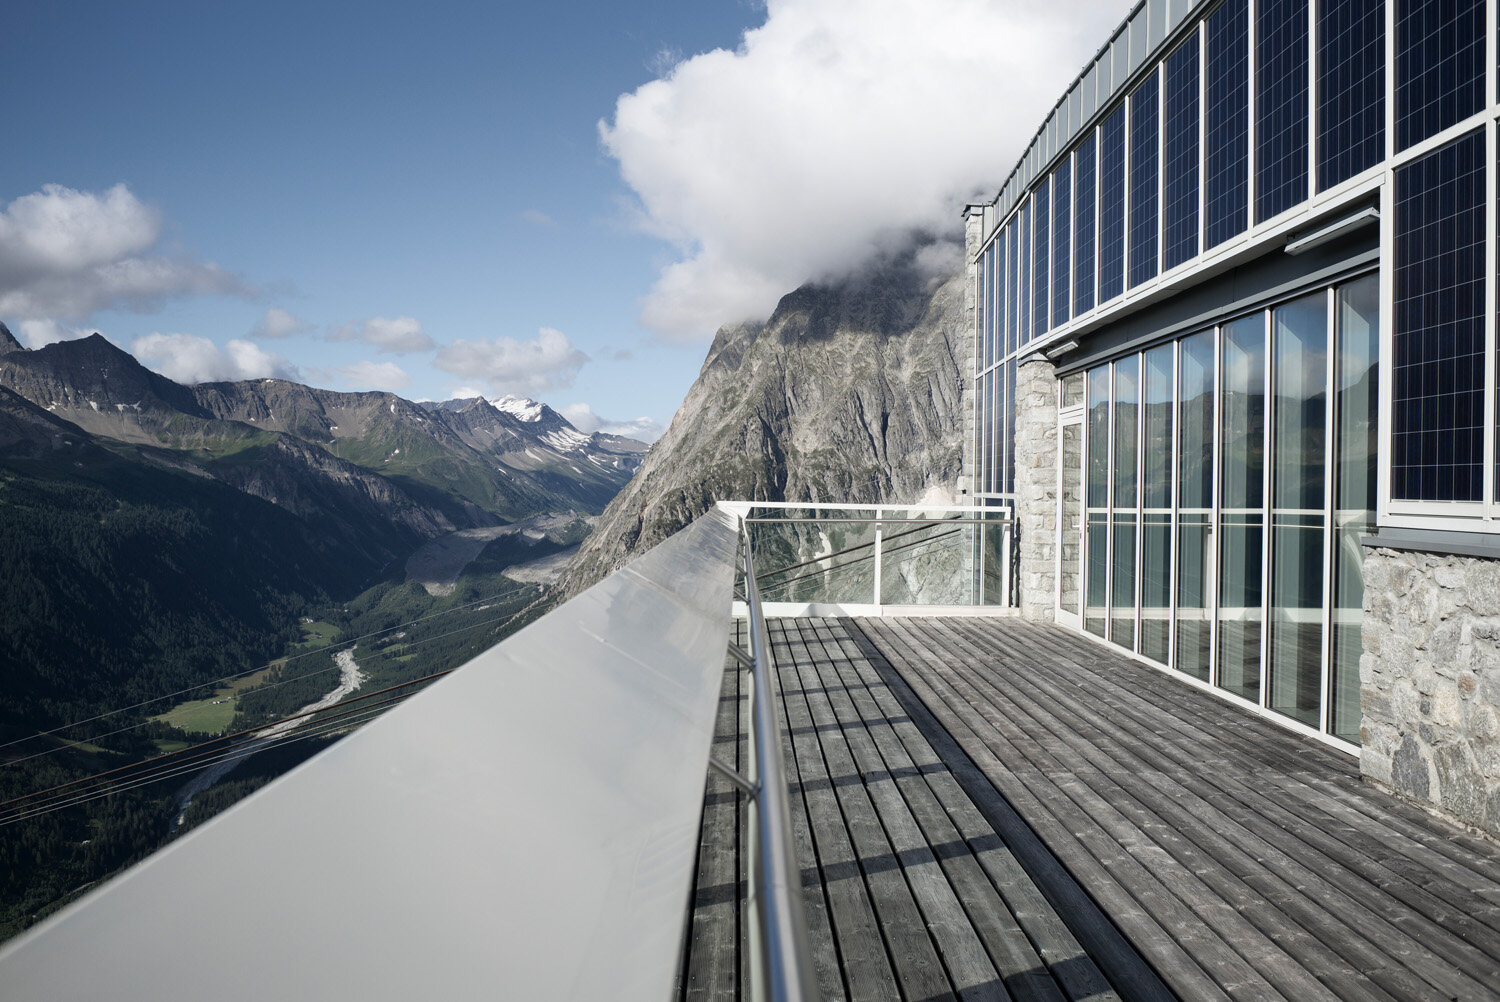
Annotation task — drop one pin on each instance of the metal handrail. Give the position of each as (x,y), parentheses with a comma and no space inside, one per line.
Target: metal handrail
(780,953)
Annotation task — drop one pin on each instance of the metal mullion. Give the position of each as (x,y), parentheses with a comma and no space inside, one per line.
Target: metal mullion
(1173,498)
(1161,167)
(1330,431)
(1312,100)
(1202,144)
(1140,470)
(1215,517)
(1390,82)
(1267,419)
(1490,222)
(1251,19)
(1109,512)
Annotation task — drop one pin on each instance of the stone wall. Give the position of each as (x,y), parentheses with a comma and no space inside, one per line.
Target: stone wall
(1430,681)
(1036,486)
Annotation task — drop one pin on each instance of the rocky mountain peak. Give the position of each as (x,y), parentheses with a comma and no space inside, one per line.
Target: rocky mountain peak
(850,392)
(8,342)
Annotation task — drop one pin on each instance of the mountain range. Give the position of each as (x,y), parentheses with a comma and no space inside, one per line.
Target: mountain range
(140,518)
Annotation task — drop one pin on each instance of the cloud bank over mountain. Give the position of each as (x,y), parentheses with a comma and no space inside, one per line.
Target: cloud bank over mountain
(66,254)
(836,131)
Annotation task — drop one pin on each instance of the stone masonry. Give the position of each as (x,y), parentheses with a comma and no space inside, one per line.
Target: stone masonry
(1430,681)
(1036,485)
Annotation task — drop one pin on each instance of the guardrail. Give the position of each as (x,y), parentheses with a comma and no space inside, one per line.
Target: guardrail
(780,957)
(881,559)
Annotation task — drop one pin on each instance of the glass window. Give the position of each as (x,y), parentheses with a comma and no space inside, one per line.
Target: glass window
(1112,206)
(1298,421)
(1195,455)
(1439,66)
(1280,107)
(1072,511)
(1438,364)
(1096,539)
(1180,153)
(1127,405)
(1144,139)
(1241,479)
(1062,231)
(1357,328)
(1124,487)
(1226,125)
(1156,497)
(1083,226)
(986,432)
(1041,293)
(1351,88)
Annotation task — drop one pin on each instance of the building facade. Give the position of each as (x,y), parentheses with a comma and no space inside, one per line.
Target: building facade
(1235,366)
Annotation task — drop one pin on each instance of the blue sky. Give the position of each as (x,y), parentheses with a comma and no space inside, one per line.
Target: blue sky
(562,201)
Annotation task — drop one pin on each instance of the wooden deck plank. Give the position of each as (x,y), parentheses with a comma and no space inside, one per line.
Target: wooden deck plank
(1000,766)
(913,955)
(712,975)
(1024,905)
(1218,840)
(1384,843)
(1354,890)
(1404,902)
(969,969)
(1235,953)
(863,965)
(918,773)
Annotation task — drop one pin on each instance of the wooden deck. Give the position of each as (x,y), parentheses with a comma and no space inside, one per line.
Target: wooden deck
(996,809)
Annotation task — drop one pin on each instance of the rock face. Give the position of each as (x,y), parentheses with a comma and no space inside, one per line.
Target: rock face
(1430,681)
(849,393)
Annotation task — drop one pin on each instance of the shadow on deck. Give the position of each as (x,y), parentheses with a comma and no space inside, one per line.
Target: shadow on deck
(992,809)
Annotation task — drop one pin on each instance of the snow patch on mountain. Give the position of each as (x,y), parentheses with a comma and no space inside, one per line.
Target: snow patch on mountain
(521,407)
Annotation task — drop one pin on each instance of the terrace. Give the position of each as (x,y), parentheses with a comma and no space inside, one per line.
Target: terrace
(979,807)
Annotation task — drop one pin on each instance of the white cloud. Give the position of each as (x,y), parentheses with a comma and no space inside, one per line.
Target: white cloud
(278,323)
(538,218)
(393,335)
(510,366)
(642,429)
(374,376)
(464,393)
(838,129)
(35,333)
(188,358)
(66,254)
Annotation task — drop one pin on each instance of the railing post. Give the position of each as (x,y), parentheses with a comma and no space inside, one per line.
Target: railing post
(879,536)
(780,958)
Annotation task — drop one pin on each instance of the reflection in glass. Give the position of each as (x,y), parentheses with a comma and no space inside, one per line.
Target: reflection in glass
(1127,407)
(1072,390)
(1193,627)
(1156,446)
(1098,455)
(1122,581)
(1097,553)
(1299,412)
(1196,409)
(1244,414)
(1156,585)
(1242,493)
(1071,544)
(1357,316)
(1239,604)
